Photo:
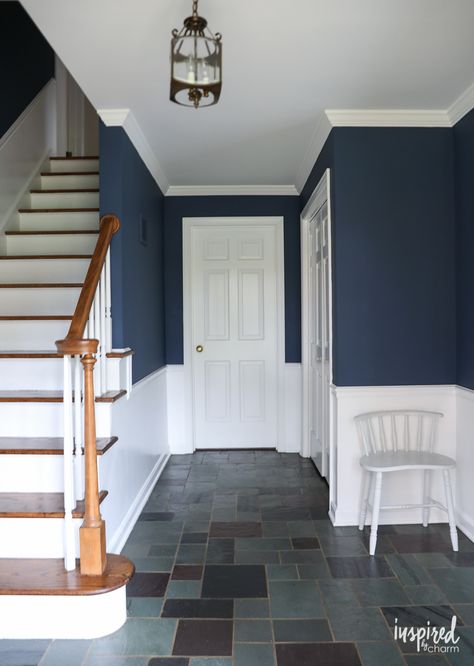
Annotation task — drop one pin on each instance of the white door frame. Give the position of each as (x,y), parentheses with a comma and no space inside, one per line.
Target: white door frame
(321,194)
(188,224)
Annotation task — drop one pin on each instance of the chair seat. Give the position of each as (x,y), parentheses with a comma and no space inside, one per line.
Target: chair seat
(391,461)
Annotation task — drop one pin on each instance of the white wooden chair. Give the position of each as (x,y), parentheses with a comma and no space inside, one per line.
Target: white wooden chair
(394,441)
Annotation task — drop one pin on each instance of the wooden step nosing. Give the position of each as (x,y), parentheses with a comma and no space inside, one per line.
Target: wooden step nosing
(27,257)
(60,157)
(29,354)
(103,445)
(46,174)
(9,396)
(35,317)
(57,232)
(78,511)
(42,285)
(71,191)
(22,211)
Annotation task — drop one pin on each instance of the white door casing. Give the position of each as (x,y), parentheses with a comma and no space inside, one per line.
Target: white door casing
(233,304)
(317,328)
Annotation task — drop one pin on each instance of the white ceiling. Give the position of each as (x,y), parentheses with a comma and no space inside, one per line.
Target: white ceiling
(284,63)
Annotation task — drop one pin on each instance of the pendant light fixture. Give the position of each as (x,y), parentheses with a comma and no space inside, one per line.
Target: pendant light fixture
(196,63)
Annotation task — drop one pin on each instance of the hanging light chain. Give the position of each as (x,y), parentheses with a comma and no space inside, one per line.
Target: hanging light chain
(195,7)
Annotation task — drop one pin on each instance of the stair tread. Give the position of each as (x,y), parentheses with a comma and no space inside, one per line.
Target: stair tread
(47,232)
(30,353)
(58,210)
(44,256)
(46,445)
(35,317)
(25,395)
(61,157)
(39,505)
(40,285)
(48,577)
(69,173)
(69,191)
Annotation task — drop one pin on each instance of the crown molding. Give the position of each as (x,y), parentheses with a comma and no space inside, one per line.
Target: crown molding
(388,118)
(125,118)
(315,146)
(230,190)
(462,105)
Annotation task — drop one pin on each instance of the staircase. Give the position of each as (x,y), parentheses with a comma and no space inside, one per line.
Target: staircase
(42,274)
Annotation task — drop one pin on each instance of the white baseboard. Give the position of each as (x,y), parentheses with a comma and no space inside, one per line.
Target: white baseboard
(119,538)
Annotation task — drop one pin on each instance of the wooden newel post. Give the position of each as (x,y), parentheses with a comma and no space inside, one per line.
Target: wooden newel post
(92,531)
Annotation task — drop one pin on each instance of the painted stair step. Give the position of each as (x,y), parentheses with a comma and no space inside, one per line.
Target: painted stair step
(38,332)
(53,396)
(44,269)
(70,180)
(64,199)
(38,299)
(39,505)
(72,220)
(51,242)
(46,446)
(73,164)
(48,577)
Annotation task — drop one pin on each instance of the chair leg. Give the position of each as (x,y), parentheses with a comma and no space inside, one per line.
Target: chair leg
(366,486)
(426,494)
(450,506)
(375,512)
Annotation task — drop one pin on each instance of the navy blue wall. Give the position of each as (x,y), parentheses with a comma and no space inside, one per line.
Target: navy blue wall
(393,255)
(464,170)
(128,190)
(178,207)
(27,62)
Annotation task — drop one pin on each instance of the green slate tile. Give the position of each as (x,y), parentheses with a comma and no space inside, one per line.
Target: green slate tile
(262,544)
(245,608)
(379,592)
(144,606)
(382,652)
(295,599)
(254,654)
(212,661)
(183,589)
(301,631)
(301,557)
(70,652)
(338,592)
(153,563)
(138,637)
(301,528)
(466,612)
(465,656)
(252,631)
(408,569)
(115,660)
(256,557)
(282,572)
(357,624)
(456,583)
(425,594)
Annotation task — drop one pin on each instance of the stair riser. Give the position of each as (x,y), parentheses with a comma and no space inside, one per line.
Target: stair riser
(58,221)
(33,474)
(65,200)
(68,166)
(32,334)
(38,301)
(52,244)
(23,271)
(45,374)
(34,537)
(45,419)
(69,182)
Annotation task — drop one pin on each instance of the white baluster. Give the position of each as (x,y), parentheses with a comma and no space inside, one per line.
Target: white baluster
(69,494)
(103,332)
(97,309)
(108,304)
(78,429)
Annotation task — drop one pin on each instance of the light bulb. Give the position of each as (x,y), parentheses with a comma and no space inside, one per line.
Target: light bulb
(191,74)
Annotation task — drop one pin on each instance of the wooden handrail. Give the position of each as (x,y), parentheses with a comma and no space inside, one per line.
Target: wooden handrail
(93,559)
(74,343)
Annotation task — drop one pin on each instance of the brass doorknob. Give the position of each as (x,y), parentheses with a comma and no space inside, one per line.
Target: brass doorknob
(199,348)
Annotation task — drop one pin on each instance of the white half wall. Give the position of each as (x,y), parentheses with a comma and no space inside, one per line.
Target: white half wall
(180,437)
(24,148)
(465,460)
(404,487)
(130,469)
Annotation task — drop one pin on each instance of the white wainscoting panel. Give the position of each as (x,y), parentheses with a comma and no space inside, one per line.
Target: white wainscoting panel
(465,460)
(345,471)
(130,469)
(24,148)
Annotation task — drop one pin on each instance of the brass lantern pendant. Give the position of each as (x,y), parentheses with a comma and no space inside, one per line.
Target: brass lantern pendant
(196,63)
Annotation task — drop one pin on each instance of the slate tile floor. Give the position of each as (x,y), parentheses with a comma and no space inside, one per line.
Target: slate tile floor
(238,565)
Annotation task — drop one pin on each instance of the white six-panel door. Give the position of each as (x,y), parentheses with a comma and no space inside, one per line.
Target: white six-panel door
(233,346)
